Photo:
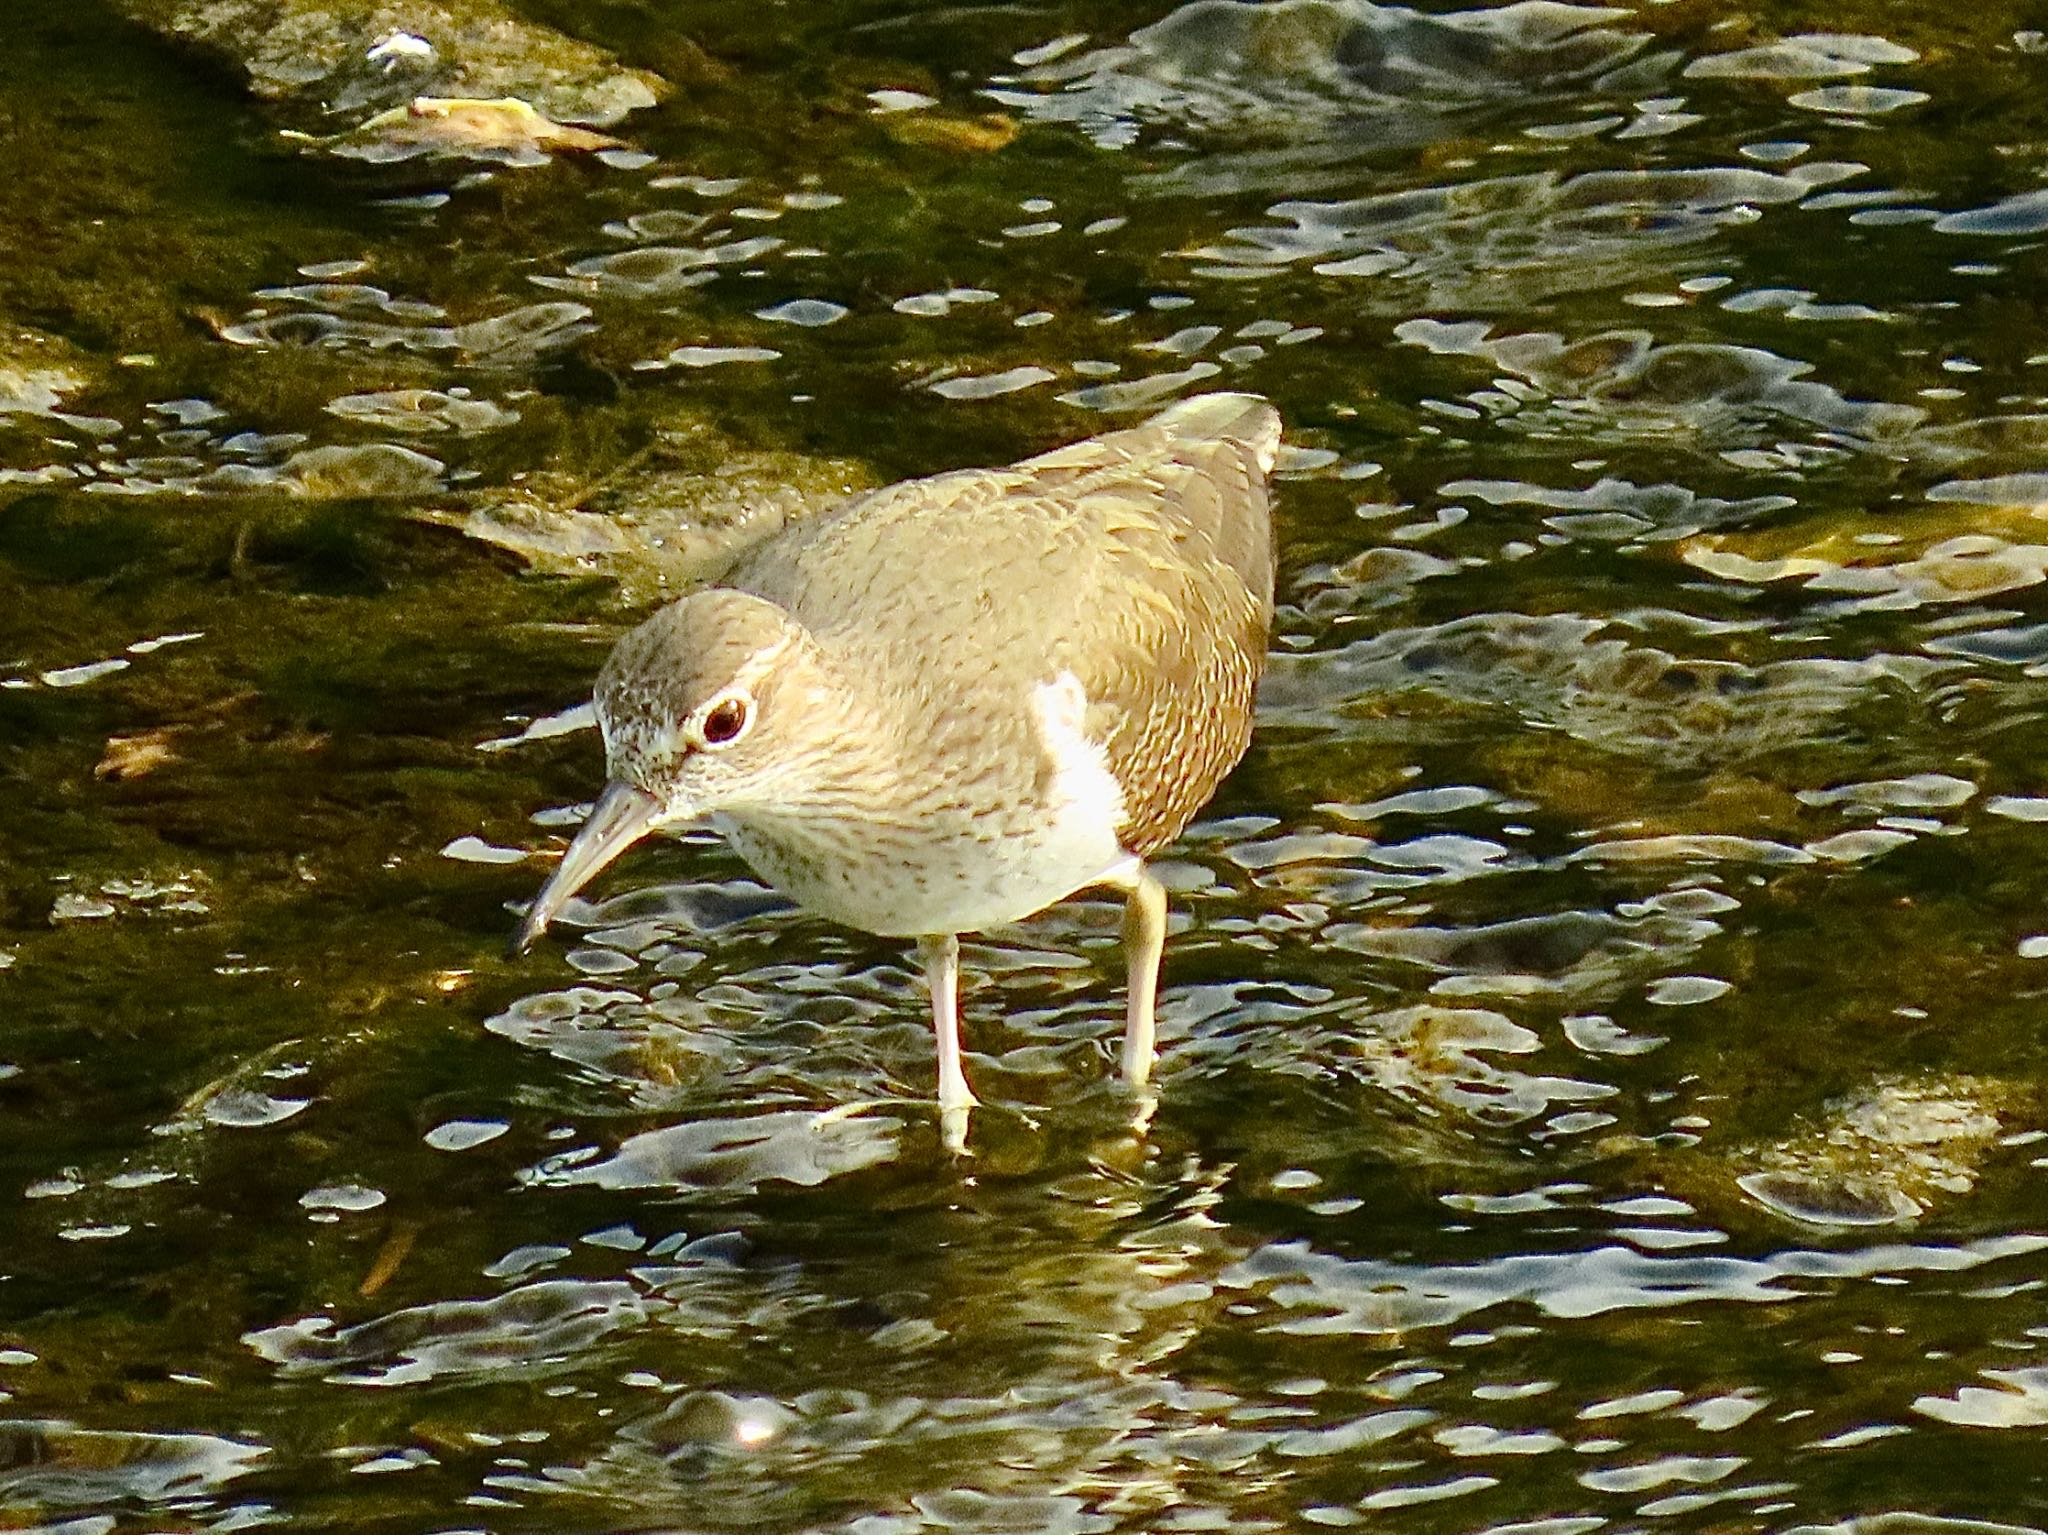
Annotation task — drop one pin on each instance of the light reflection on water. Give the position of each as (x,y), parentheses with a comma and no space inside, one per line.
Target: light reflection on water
(1600,1080)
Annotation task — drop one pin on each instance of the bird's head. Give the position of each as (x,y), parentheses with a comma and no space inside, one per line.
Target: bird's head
(701,709)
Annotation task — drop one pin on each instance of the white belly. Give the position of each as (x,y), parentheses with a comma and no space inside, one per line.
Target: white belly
(953,871)
(913,886)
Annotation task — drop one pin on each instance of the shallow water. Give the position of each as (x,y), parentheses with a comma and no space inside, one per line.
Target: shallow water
(1603,1080)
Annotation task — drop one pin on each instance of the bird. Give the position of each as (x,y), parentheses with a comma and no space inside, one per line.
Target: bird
(952,702)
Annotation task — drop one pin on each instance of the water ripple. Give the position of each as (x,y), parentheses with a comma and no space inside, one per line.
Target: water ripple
(1319,1293)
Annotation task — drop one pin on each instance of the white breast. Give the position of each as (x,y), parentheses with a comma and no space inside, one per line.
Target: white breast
(954,874)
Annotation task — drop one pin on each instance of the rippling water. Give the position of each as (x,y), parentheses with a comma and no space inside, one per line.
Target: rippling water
(1603,1075)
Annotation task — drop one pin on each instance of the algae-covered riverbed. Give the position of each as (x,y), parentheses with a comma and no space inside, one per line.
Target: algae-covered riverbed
(1605,1032)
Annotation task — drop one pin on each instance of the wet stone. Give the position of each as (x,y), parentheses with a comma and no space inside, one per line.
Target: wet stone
(1884,1156)
(62,1466)
(246,1109)
(37,372)
(345,1198)
(697,503)
(1830,1200)
(423,412)
(807,312)
(463,1134)
(1246,66)
(357,56)
(376,470)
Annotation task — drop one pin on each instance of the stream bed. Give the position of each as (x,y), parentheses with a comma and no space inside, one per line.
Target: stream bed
(1604,1077)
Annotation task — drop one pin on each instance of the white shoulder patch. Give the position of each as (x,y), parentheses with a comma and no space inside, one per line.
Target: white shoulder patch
(1087,800)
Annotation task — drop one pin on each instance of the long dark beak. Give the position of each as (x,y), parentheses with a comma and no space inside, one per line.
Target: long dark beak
(620,818)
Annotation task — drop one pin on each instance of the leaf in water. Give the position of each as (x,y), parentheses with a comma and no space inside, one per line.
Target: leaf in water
(134,756)
(957,135)
(506,131)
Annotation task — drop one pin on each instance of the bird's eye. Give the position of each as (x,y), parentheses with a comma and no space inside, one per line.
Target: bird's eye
(722,726)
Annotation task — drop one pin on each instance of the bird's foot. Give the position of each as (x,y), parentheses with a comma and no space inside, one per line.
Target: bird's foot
(954,1121)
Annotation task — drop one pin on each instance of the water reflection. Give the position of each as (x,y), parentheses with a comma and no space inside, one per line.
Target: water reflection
(1500,244)
(1331,68)
(1579,676)
(63,1467)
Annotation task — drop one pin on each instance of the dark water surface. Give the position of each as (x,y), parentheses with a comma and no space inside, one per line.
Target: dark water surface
(1606,1060)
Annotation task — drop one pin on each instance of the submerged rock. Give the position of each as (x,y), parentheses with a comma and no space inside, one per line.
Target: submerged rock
(1445,1061)
(368,470)
(357,56)
(1886,1155)
(36,372)
(954,133)
(1596,682)
(1963,547)
(690,507)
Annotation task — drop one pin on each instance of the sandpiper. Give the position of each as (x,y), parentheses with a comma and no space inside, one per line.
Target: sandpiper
(952,702)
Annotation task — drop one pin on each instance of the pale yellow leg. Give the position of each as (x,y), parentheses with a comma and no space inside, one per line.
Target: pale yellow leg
(941,956)
(1144,944)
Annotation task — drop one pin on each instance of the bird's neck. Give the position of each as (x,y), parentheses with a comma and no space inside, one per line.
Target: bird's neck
(859,760)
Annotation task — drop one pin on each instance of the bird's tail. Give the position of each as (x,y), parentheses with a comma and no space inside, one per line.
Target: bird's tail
(1242,418)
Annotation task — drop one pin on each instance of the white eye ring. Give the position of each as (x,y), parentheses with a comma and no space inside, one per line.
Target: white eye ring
(725,719)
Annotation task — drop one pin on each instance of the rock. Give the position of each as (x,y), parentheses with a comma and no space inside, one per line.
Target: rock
(372,470)
(36,372)
(1885,1155)
(365,56)
(690,506)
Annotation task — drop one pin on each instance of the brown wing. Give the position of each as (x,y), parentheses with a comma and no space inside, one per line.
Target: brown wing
(1206,460)
(1172,697)
(1140,560)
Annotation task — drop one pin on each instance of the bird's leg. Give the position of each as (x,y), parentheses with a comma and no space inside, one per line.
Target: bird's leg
(941,956)
(1144,943)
